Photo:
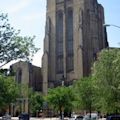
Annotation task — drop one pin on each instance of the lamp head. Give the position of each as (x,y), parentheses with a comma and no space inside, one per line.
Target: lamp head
(106,25)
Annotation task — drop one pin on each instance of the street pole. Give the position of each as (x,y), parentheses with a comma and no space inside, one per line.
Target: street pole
(64,56)
(63,80)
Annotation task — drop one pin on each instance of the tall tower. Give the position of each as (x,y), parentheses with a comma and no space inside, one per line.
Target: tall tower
(74,34)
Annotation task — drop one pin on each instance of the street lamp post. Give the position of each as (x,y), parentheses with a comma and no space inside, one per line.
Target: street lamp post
(63,83)
(108,25)
(63,80)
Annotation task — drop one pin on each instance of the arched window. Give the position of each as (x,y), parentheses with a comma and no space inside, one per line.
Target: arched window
(69,24)
(19,75)
(59,26)
(59,41)
(69,41)
(48,25)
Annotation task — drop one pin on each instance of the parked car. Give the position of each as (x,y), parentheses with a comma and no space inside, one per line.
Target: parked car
(73,117)
(113,117)
(24,116)
(94,116)
(80,117)
(6,117)
(76,117)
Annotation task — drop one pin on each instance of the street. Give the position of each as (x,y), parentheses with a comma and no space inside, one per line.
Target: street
(34,118)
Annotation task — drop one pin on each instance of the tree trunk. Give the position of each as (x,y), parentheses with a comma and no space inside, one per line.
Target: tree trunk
(60,114)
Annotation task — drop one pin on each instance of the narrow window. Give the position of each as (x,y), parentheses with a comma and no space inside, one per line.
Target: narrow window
(19,75)
(69,41)
(59,42)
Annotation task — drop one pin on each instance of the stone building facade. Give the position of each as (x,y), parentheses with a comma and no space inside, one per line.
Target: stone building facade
(29,76)
(73,37)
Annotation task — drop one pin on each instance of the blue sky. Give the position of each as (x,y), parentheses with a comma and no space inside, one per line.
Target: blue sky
(29,17)
(112,16)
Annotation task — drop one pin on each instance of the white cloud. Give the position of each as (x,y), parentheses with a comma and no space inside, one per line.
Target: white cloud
(37,58)
(34,16)
(14,8)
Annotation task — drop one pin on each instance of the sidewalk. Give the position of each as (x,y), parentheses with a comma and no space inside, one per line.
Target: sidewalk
(33,118)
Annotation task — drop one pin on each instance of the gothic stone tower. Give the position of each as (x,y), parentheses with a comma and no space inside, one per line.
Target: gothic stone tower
(74,34)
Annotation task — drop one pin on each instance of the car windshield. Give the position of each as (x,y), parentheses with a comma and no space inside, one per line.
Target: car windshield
(79,118)
(93,116)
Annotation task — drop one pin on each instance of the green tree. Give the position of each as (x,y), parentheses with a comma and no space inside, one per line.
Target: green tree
(13,46)
(35,102)
(106,74)
(61,98)
(9,91)
(85,94)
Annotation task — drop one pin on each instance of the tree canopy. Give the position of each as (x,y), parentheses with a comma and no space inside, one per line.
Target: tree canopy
(85,94)
(35,102)
(13,46)
(61,98)
(9,91)
(106,74)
